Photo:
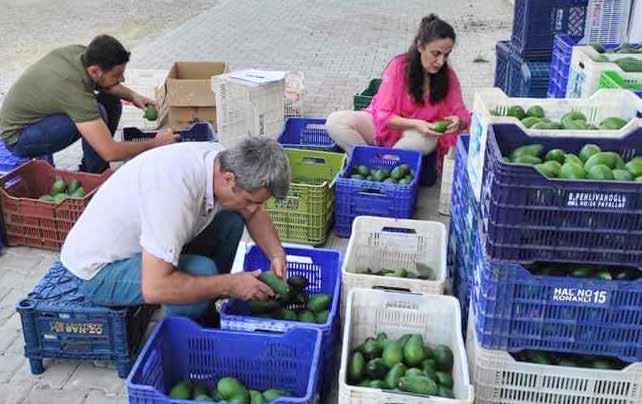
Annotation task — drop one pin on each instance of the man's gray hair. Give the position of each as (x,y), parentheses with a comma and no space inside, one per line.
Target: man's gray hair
(258,162)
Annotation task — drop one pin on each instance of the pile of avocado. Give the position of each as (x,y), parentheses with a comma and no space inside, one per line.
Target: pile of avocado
(570,360)
(427,273)
(228,389)
(401,174)
(592,163)
(586,271)
(405,364)
(534,118)
(627,64)
(313,309)
(61,191)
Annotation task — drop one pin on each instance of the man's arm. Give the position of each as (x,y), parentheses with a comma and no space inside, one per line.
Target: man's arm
(263,232)
(163,284)
(130,95)
(98,136)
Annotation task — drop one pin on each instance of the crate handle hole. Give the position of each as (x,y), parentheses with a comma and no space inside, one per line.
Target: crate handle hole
(314,160)
(298,259)
(403,230)
(392,157)
(374,192)
(394,289)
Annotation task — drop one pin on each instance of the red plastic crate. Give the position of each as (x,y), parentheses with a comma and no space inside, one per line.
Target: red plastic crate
(34,223)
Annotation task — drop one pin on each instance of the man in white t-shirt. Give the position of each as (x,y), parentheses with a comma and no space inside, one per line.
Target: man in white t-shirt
(164,228)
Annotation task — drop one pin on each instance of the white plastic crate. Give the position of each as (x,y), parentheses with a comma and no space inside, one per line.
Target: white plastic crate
(244,108)
(601,105)
(378,243)
(436,318)
(606,21)
(144,82)
(584,73)
(499,378)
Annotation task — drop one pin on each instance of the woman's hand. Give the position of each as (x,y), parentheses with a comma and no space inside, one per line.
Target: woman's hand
(425,128)
(455,124)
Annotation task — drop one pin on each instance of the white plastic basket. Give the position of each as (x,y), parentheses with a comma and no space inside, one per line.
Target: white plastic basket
(499,378)
(584,73)
(144,82)
(244,108)
(436,318)
(379,243)
(601,105)
(606,21)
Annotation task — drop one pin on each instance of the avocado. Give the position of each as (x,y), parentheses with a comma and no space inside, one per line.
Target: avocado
(297,282)
(377,384)
(571,158)
(150,113)
(572,171)
(288,315)
(58,187)
(404,181)
(256,397)
(356,367)
(622,175)
(582,272)
(306,316)
(534,150)
(588,150)
(535,111)
(600,172)
(634,167)
(397,173)
(413,351)
(78,193)
(371,349)
(376,369)
(441,126)
(556,155)
(613,123)
(443,357)
(418,385)
(516,111)
(394,374)
(181,391)
(357,177)
(382,340)
(392,353)
(445,392)
(597,47)
(322,317)
(263,306)
(526,159)
(273,394)
(58,198)
(319,303)
(403,339)
(445,379)
(529,121)
(428,364)
(229,387)
(363,170)
(602,364)
(549,169)
(574,116)
(538,357)
(414,372)
(273,281)
(73,186)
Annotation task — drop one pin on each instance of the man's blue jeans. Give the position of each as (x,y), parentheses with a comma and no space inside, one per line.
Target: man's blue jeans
(212,252)
(56,132)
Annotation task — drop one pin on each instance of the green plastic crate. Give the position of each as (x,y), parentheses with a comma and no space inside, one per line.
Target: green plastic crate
(613,79)
(305,216)
(363,99)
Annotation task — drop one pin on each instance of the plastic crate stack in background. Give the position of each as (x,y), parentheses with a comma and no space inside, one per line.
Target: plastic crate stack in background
(378,243)
(322,269)
(517,76)
(356,197)
(305,215)
(29,221)
(180,350)
(58,323)
(436,318)
(517,312)
(586,68)
(245,108)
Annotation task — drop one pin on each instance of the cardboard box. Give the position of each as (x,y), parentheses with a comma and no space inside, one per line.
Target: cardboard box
(186,96)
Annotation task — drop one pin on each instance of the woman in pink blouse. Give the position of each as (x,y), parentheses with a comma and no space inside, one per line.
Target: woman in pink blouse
(418,88)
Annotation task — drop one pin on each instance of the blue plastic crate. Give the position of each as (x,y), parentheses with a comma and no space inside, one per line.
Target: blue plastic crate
(9,161)
(516,310)
(360,197)
(519,77)
(198,132)
(536,21)
(58,323)
(306,133)
(529,217)
(322,268)
(179,349)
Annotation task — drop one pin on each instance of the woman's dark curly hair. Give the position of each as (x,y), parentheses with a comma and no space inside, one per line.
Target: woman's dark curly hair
(430,29)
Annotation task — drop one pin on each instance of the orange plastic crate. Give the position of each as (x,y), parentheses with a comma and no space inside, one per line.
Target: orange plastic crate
(34,223)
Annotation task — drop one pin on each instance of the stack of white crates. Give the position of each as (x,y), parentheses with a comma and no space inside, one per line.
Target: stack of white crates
(248,108)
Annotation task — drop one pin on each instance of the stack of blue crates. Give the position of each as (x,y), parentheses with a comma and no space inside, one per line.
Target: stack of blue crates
(496,241)
(524,62)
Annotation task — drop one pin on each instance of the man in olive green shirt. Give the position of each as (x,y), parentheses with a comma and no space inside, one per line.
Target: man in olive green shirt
(74,92)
